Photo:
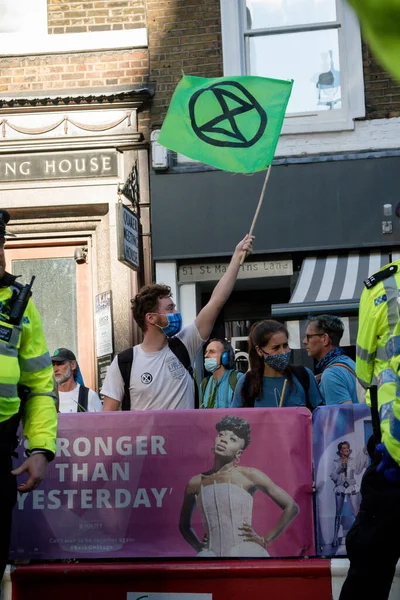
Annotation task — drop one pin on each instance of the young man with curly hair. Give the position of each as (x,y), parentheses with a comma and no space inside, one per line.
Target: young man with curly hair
(158,379)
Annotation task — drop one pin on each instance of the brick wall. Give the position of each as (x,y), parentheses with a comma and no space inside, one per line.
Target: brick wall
(382,94)
(79,16)
(184,35)
(84,70)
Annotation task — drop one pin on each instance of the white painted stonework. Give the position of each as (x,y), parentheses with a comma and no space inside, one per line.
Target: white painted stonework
(76,127)
(25,31)
(376,134)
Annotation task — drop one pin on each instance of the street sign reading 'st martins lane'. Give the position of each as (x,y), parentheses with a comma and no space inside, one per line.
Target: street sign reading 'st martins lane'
(128,236)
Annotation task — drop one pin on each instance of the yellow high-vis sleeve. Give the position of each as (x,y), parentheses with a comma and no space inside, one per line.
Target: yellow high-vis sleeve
(378,349)
(36,373)
(367,338)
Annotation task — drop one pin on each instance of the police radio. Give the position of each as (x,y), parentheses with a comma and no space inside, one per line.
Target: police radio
(19,305)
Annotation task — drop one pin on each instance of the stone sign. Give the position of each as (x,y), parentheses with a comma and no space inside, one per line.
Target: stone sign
(249,270)
(54,165)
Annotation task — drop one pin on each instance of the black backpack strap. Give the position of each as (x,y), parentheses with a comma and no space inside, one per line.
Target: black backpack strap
(302,375)
(376,424)
(125,360)
(181,352)
(83,399)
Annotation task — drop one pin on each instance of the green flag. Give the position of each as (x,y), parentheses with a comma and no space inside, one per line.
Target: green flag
(380,22)
(232,123)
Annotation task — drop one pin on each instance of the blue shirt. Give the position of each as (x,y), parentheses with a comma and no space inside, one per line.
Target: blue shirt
(220,391)
(337,384)
(272,390)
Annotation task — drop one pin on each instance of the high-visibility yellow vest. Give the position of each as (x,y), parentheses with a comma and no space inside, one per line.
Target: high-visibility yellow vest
(25,360)
(378,323)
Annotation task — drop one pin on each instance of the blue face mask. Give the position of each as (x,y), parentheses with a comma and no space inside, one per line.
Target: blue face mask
(211,364)
(174,324)
(279,362)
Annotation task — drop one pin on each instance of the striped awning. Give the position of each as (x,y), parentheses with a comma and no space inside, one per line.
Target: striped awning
(336,277)
(330,284)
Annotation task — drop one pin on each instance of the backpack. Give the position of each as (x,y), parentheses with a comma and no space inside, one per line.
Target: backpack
(361,393)
(233,378)
(83,398)
(125,361)
(302,375)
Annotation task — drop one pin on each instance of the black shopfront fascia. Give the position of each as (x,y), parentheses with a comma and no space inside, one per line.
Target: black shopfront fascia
(315,204)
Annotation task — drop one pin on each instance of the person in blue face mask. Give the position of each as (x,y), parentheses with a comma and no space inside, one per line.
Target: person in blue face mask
(217,388)
(271,380)
(158,373)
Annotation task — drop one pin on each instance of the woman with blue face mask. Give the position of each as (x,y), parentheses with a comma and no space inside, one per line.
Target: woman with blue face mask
(271,381)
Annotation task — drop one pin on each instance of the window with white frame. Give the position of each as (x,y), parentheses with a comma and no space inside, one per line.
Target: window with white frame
(316,43)
(23,30)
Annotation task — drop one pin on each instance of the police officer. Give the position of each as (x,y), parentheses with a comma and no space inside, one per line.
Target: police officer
(24,364)
(373,543)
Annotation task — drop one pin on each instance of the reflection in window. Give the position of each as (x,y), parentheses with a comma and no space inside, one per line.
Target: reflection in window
(310,58)
(54,294)
(299,40)
(328,86)
(284,13)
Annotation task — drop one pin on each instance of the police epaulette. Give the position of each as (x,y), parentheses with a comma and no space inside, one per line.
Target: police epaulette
(380,276)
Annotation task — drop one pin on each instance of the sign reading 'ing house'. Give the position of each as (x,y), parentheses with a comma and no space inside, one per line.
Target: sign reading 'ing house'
(65,165)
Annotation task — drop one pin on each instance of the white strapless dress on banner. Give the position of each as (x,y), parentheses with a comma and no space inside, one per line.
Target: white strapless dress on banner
(224,507)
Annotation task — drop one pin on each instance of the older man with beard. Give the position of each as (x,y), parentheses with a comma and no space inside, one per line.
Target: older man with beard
(73,395)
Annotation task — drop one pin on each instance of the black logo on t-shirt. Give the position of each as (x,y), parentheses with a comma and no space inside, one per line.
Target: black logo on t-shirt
(146,378)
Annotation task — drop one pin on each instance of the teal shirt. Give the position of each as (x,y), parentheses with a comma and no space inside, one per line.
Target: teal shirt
(219,394)
(272,390)
(338,384)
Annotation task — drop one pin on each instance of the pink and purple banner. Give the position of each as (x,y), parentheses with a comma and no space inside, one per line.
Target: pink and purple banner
(341,434)
(158,484)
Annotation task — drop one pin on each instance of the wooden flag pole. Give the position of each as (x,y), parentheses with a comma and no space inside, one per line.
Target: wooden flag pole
(283,394)
(268,173)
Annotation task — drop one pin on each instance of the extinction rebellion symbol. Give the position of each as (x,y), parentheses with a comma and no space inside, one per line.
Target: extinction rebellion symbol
(146,378)
(239,122)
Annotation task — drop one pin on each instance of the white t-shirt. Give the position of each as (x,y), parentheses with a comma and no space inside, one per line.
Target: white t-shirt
(158,379)
(68,401)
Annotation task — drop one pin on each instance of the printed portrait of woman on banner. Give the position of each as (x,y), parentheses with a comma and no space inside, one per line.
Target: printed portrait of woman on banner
(224,497)
(346,488)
